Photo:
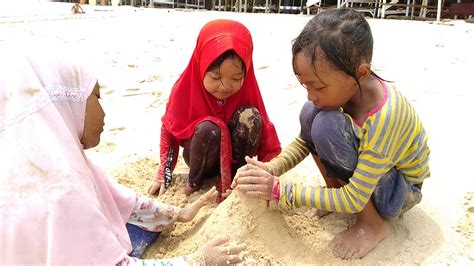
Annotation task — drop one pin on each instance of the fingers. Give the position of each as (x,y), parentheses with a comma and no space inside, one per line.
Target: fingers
(233,253)
(242,168)
(235,249)
(162,189)
(217,241)
(254,162)
(227,193)
(234,182)
(248,170)
(252,188)
(232,259)
(253,171)
(246,180)
(153,188)
(209,194)
(258,194)
(206,197)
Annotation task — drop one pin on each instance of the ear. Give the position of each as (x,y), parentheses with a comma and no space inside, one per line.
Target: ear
(363,72)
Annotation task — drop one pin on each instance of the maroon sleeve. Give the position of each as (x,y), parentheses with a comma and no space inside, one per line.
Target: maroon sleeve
(269,143)
(168,156)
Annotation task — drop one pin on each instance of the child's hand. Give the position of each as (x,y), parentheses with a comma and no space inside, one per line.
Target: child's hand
(215,253)
(254,181)
(226,193)
(156,187)
(237,175)
(261,165)
(251,164)
(187,213)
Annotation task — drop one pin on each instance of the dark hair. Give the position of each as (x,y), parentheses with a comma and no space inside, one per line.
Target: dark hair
(226,55)
(343,35)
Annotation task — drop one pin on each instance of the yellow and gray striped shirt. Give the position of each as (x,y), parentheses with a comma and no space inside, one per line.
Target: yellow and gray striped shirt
(391,136)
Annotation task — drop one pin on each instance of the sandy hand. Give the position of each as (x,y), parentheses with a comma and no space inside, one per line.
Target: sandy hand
(214,253)
(261,165)
(251,164)
(255,182)
(156,187)
(189,212)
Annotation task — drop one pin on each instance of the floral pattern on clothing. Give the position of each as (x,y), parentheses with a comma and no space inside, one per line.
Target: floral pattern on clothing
(152,215)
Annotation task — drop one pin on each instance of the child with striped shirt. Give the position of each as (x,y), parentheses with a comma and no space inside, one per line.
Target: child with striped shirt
(366,138)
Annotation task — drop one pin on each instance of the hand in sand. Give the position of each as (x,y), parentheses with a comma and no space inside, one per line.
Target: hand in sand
(254,180)
(156,187)
(215,253)
(234,182)
(189,212)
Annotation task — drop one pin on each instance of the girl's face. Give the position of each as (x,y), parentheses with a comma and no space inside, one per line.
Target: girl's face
(225,80)
(330,88)
(94,120)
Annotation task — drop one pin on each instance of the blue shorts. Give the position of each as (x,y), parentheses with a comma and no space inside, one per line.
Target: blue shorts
(330,136)
(141,239)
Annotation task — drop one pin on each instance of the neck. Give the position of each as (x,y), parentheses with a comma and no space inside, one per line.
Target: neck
(365,100)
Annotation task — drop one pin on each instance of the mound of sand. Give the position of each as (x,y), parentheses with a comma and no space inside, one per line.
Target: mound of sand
(272,234)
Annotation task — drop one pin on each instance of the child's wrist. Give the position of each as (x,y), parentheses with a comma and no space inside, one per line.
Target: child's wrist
(276,190)
(270,167)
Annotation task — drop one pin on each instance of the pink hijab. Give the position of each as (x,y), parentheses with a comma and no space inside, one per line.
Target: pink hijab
(56,207)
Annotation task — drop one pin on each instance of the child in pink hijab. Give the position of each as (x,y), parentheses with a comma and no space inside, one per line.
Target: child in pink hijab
(56,207)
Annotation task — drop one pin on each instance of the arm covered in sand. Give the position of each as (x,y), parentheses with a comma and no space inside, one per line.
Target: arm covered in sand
(155,216)
(291,156)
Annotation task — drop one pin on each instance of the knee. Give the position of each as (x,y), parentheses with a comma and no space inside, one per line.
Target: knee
(307,115)
(250,116)
(328,125)
(207,130)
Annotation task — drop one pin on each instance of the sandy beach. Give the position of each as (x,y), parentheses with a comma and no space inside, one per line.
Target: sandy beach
(138,53)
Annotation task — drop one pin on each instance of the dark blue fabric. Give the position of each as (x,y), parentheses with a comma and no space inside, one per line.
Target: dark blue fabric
(141,239)
(330,136)
(390,194)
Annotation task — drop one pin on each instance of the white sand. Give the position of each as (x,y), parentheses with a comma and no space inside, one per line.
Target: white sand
(139,53)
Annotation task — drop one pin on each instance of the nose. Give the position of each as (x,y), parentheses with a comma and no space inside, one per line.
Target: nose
(224,88)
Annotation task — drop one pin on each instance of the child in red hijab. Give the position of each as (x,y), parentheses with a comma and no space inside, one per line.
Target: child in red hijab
(215,111)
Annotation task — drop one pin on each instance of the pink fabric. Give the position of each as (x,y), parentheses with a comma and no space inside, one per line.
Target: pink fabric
(56,207)
(378,107)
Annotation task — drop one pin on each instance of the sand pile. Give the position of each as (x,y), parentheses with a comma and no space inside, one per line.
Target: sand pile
(272,234)
(247,220)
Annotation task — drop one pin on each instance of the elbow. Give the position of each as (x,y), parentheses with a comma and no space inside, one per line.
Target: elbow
(359,208)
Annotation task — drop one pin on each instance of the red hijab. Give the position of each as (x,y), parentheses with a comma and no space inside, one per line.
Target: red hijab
(190,103)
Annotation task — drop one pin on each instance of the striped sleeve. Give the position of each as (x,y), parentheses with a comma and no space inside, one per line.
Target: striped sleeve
(350,198)
(292,155)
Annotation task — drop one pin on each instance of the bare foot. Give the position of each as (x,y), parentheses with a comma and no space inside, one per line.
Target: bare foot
(187,190)
(316,213)
(359,239)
